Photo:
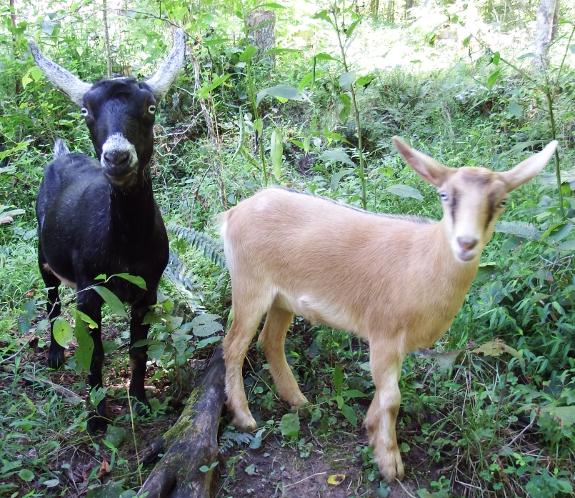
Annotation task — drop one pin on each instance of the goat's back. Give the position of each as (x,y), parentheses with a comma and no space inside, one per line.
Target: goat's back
(338,265)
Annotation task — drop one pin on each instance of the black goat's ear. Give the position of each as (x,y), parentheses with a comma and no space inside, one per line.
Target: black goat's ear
(61,78)
(163,78)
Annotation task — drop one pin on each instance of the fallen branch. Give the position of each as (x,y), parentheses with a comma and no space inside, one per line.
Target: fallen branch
(191,443)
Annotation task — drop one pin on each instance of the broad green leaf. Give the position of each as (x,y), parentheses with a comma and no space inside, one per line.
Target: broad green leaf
(248,53)
(26,475)
(290,425)
(337,379)
(496,57)
(139,281)
(116,306)
(206,324)
(282,93)
(346,79)
(568,245)
(305,81)
(258,125)
(62,332)
(335,179)
(515,109)
(115,435)
(519,228)
(346,101)
(324,15)
(558,233)
(527,55)
(324,57)
(405,191)
(109,490)
(336,155)
(86,319)
(18,147)
(364,80)
(208,340)
(276,151)
(466,41)
(51,483)
(492,79)
(83,353)
(565,414)
(275,51)
(349,414)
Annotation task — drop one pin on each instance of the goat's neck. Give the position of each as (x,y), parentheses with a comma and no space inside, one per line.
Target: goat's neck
(455,276)
(134,203)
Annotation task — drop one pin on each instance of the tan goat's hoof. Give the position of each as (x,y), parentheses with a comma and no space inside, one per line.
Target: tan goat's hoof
(390,464)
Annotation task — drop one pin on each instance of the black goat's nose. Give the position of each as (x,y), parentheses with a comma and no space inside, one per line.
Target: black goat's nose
(117,157)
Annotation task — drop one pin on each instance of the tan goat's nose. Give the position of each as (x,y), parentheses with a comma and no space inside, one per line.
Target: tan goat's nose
(466,243)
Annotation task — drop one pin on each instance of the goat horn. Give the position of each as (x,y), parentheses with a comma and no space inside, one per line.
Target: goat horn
(163,78)
(63,79)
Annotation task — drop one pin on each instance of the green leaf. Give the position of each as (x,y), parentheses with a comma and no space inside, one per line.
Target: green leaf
(276,151)
(116,306)
(204,92)
(83,353)
(323,15)
(208,340)
(20,146)
(285,92)
(26,475)
(526,56)
(466,41)
(324,57)
(250,470)
(275,51)
(290,425)
(51,483)
(336,155)
(496,57)
(519,228)
(492,79)
(87,320)
(346,79)
(206,325)
(515,109)
(349,414)
(337,379)
(405,191)
(62,332)
(364,80)
(351,28)
(346,101)
(335,179)
(565,414)
(558,233)
(115,435)
(248,53)
(139,281)
(568,245)
(205,468)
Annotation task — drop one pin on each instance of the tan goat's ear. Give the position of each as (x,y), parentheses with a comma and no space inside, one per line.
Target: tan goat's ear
(528,169)
(429,169)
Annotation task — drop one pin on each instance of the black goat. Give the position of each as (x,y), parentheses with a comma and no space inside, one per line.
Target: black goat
(100,217)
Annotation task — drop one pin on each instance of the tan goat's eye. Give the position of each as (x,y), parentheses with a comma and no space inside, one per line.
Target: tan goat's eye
(503,203)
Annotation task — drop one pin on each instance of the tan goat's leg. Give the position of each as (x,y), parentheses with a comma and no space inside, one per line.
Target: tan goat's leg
(236,344)
(272,340)
(382,414)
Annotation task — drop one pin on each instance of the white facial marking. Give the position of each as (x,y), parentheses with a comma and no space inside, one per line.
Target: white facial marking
(118,143)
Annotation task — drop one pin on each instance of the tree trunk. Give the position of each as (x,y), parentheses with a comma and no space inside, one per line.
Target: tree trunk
(547,14)
(191,443)
(262,31)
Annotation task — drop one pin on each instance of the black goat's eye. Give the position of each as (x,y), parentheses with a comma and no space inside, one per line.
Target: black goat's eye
(443,196)
(152,109)
(84,111)
(503,203)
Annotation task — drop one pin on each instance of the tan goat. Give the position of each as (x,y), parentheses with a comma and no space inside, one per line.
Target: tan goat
(397,282)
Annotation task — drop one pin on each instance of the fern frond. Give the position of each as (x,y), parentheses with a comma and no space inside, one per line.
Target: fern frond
(178,275)
(211,248)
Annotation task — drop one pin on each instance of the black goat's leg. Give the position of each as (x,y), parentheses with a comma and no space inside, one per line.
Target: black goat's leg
(53,308)
(90,303)
(139,355)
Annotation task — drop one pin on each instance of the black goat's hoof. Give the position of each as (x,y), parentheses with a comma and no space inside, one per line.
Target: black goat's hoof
(55,359)
(97,422)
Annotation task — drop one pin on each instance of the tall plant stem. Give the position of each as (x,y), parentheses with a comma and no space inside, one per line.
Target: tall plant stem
(356,112)
(557,164)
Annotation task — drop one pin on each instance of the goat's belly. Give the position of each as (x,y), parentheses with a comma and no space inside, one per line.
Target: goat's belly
(316,311)
(64,280)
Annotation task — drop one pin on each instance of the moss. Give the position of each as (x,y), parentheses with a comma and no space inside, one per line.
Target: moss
(184,423)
